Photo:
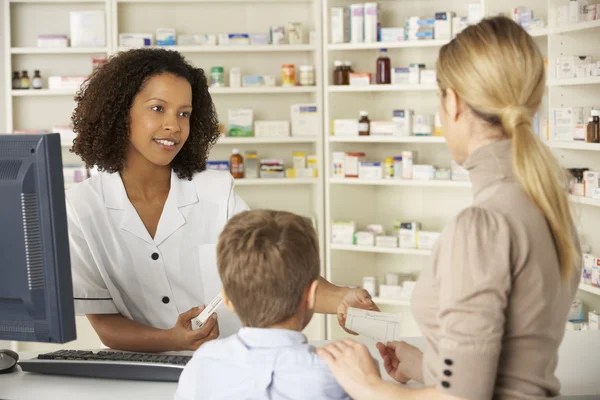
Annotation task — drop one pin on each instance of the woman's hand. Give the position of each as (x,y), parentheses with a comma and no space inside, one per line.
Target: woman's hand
(355,298)
(184,338)
(352,366)
(402,361)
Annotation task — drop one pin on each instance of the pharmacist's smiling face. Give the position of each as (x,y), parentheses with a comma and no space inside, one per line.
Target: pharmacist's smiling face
(160,118)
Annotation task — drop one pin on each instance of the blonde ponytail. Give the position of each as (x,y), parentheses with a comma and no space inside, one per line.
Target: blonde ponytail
(496,68)
(544,181)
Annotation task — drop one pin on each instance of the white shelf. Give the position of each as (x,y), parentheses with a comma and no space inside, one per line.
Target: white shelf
(387,139)
(380,250)
(539,32)
(265,140)
(400,182)
(276,182)
(55,1)
(391,302)
(575,82)
(214,1)
(573,145)
(381,88)
(234,49)
(387,45)
(43,92)
(264,90)
(580,26)
(589,289)
(58,50)
(584,200)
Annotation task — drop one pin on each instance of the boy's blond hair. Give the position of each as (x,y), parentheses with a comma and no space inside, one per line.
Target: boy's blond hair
(266,261)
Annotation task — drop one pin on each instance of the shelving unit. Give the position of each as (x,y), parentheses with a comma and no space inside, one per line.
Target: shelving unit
(391,302)
(585,201)
(573,145)
(388,139)
(236,49)
(399,182)
(589,289)
(382,88)
(380,250)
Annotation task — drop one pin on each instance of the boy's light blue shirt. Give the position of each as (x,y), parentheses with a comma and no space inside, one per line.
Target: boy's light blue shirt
(273,364)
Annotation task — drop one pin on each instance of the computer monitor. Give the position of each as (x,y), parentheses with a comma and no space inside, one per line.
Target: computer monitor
(36,292)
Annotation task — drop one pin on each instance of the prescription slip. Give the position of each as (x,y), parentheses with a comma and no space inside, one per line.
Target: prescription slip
(379,326)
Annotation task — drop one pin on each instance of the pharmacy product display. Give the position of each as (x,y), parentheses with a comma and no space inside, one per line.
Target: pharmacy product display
(403,235)
(403,123)
(291,34)
(576,67)
(250,166)
(395,286)
(87,29)
(574,12)
(353,165)
(585,183)
(291,75)
(304,121)
(580,124)
(385,73)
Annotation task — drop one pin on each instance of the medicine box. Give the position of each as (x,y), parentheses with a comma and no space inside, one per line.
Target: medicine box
(596,273)
(370,170)
(135,39)
(305,120)
(240,122)
(392,278)
(52,41)
(428,77)
(591,181)
(197,40)
(259,39)
(165,37)
(217,166)
(345,127)
(351,164)
(234,38)
(376,229)
(357,23)
(360,78)
(414,74)
(88,29)
(422,34)
(422,125)
(338,160)
(312,161)
(272,128)
(565,120)
(390,291)
(66,82)
(408,235)
(342,232)
(402,122)
(400,76)
(392,34)
(386,241)
(277,34)
(566,67)
(423,172)
(299,159)
(364,239)
(459,24)
(443,25)
(370,285)
(576,311)
(382,128)
(301,173)
(593,320)
(340,25)
(589,262)
(371,24)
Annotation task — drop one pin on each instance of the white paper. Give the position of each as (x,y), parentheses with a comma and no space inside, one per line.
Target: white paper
(379,326)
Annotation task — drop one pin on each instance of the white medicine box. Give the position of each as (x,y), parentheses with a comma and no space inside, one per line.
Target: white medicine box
(88,29)
(305,120)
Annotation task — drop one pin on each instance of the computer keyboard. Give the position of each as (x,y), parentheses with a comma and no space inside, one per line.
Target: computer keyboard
(109,364)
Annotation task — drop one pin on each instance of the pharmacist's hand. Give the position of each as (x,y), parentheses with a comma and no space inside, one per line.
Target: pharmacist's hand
(184,338)
(402,361)
(355,298)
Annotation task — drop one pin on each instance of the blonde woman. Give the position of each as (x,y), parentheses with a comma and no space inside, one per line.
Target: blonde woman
(494,304)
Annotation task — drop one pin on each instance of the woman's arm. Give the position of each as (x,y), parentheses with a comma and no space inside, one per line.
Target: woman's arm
(118,332)
(329,297)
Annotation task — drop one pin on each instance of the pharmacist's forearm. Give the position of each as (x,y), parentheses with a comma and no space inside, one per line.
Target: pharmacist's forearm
(118,332)
(329,297)
(383,390)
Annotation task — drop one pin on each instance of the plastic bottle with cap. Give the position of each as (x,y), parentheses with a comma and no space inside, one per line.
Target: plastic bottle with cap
(236,164)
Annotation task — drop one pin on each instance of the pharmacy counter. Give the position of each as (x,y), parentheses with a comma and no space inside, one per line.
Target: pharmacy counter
(577,370)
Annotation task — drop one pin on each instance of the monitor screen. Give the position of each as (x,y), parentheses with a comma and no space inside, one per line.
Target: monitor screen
(36,292)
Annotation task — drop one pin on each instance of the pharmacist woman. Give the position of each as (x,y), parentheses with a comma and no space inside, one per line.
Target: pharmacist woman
(494,304)
(143,232)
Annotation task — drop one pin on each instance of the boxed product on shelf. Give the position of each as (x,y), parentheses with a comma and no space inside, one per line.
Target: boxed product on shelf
(370,170)
(340,25)
(386,241)
(136,39)
(351,164)
(407,289)
(566,66)
(259,39)
(458,172)
(443,25)
(414,77)
(342,232)
(402,122)
(382,128)
(234,39)
(422,125)
(360,78)
(475,13)
(596,273)
(408,234)
(357,23)
(364,239)
(442,174)
(576,311)
(251,164)
(586,271)
(591,12)
(426,240)
(88,28)
(240,121)
(594,320)
(427,77)
(371,22)
(66,82)
(437,126)
(299,159)
(345,127)
(277,34)
(423,172)
(295,33)
(52,41)
(370,285)
(312,161)
(591,182)
(301,173)
(376,229)
(264,128)
(565,120)
(217,166)
(272,169)
(258,81)
(305,120)
(392,34)
(400,76)
(197,40)
(459,24)
(338,160)
(165,37)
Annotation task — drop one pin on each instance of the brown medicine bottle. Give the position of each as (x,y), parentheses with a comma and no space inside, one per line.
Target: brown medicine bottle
(236,164)
(338,73)
(364,125)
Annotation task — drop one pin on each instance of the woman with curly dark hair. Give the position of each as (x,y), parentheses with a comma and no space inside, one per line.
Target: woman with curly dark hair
(143,231)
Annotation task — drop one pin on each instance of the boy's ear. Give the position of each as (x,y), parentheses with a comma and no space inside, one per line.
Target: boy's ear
(226,301)
(311,298)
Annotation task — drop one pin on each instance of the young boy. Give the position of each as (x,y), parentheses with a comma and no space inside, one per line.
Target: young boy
(269,265)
